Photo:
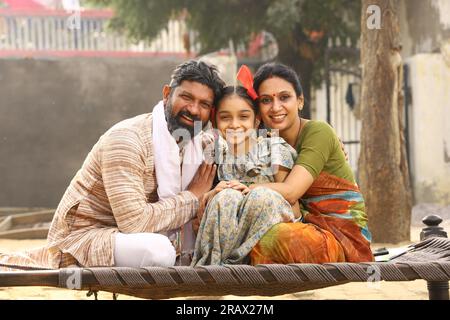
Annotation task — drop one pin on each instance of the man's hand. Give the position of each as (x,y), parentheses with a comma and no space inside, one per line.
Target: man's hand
(208,196)
(203,180)
(203,202)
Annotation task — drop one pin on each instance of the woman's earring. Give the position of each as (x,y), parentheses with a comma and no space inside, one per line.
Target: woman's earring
(300,108)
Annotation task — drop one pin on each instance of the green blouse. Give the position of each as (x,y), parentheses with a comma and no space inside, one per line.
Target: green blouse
(319,150)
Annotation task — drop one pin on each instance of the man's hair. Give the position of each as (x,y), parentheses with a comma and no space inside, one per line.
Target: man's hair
(198,71)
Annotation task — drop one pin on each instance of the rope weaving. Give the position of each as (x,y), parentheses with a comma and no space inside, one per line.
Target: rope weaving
(314,272)
(282,273)
(132,277)
(189,276)
(221,275)
(247,277)
(428,260)
(389,272)
(161,276)
(247,274)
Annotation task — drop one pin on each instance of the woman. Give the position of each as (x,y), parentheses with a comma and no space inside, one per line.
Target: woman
(334,224)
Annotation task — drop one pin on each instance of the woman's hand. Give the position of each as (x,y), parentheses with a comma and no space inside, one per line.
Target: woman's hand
(343,149)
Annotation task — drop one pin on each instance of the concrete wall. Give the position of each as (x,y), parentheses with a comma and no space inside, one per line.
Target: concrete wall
(430,128)
(53,111)
(425,35)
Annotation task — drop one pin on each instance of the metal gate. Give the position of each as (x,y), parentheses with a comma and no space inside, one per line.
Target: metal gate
(342,80)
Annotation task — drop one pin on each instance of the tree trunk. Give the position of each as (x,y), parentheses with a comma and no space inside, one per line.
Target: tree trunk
(384,177)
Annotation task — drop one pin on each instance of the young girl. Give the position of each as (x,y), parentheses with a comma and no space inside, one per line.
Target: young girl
(235,217)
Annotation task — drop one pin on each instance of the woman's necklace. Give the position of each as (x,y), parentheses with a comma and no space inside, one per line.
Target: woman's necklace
(298,133)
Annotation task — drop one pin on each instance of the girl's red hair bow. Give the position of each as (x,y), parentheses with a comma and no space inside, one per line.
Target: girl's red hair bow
(245,76)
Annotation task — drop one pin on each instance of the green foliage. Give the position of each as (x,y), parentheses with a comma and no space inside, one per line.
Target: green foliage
(301,27)
(140,19)
(219,21)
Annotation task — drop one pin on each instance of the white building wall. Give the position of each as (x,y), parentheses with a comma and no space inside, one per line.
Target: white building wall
(430,128)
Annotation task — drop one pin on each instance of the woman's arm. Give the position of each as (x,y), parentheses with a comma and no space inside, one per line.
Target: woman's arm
(318,144)
(280,176)
(294,185)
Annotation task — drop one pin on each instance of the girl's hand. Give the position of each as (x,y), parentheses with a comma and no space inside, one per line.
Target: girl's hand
(220,186)
(236,185)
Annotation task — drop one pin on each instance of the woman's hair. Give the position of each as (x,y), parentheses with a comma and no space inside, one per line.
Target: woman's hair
(240,92)
(272,69)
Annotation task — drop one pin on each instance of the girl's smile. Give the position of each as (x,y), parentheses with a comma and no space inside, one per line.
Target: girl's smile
(236,121)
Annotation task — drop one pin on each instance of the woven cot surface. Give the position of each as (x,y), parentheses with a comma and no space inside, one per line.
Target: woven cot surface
(428,260)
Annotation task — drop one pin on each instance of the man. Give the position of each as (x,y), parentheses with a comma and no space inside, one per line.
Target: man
(140,183)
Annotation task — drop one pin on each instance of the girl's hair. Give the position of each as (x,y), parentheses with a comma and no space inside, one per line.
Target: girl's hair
(272,69)
(240,92)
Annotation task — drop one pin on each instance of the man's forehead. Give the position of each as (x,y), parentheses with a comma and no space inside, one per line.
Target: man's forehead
(197,89)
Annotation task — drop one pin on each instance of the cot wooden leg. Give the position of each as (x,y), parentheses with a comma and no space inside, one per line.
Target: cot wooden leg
(437,290)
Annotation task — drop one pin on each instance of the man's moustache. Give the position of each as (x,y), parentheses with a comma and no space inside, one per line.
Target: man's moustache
(189,115)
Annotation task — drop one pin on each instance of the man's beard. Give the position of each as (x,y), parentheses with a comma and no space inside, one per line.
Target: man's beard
(177,128)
